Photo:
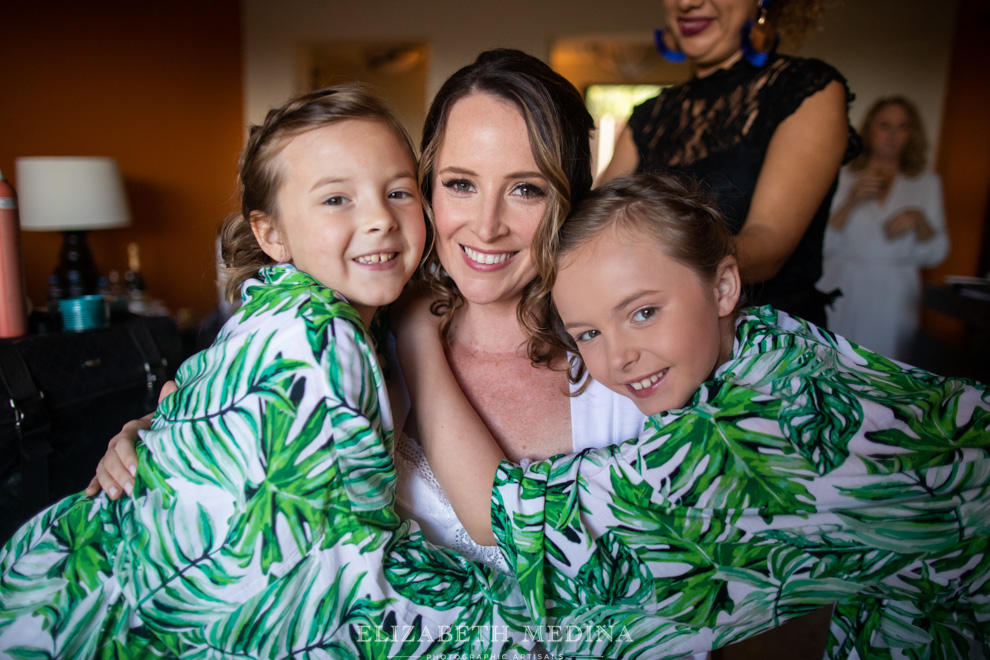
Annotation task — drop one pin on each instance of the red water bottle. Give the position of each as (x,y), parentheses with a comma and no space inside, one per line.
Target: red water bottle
(13,318)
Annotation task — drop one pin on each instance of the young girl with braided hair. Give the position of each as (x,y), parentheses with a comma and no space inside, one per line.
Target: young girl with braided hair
(261,523)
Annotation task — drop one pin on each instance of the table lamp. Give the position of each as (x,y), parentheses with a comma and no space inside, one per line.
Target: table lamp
(72,195)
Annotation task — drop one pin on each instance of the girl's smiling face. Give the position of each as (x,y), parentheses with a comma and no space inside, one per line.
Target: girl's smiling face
(350,211)
(647,326)
(489,197)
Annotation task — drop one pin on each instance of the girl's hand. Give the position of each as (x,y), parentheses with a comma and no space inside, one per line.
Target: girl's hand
(115,471)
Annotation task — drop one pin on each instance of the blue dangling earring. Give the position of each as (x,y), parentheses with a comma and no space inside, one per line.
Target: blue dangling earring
(758,39)
(666,51)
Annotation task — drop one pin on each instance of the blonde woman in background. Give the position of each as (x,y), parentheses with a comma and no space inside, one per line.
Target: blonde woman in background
(887,224)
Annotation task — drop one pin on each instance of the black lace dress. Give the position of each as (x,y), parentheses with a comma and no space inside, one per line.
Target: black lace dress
(717,129)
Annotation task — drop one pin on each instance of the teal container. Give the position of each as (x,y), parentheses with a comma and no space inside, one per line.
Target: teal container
(84,313)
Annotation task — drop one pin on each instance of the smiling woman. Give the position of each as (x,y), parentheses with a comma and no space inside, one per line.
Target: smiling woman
(489,202)
(765,132)
(505,154)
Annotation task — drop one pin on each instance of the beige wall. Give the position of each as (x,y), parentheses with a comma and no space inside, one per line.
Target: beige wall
(159,87)
(881,46)
(274,32)
(888,47)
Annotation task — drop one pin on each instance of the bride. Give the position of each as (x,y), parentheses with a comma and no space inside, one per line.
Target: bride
(506,153)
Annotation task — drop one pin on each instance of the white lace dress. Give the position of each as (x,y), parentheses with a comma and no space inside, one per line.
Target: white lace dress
(599,417)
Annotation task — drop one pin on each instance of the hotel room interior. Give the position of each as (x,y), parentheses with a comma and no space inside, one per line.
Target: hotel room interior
(167,90)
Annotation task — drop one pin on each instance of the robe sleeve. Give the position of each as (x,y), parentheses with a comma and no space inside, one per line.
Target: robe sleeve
(280,446)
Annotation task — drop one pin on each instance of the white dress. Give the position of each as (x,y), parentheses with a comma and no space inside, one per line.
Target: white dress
(599,417)
(880,278)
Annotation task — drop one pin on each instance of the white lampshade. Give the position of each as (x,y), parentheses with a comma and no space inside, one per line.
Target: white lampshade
(69,193)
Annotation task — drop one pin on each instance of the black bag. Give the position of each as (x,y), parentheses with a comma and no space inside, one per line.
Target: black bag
(63,396)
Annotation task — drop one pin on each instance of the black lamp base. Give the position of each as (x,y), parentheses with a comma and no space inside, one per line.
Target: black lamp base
(76,270)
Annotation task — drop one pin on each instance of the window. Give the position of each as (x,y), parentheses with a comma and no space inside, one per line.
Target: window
(611,105)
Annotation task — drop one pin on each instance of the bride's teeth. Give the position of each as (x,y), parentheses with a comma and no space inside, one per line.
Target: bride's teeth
(381,257)
(487,259)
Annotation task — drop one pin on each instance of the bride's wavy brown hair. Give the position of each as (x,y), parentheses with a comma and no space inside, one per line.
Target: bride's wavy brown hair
(559,128)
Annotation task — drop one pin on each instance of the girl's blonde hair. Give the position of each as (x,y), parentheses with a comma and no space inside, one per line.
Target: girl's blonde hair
(559,127)
(676,216)
(261,175)
(914,156)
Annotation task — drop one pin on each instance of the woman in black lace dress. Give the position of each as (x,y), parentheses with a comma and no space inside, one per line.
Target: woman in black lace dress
(765,132)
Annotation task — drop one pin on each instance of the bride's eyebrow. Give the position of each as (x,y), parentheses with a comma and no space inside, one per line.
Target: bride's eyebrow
(525,175)
(457,170)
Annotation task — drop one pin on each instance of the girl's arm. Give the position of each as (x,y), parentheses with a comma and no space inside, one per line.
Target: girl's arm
(459,447)
(802,161)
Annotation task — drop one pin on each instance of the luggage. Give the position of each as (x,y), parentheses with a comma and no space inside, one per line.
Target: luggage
(63,396)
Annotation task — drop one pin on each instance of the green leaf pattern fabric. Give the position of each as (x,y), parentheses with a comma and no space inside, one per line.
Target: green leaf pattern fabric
(808,471)
(262,522)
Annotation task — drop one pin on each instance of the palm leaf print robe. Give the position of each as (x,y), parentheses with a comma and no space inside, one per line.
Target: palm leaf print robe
(807,471)
(261,524)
